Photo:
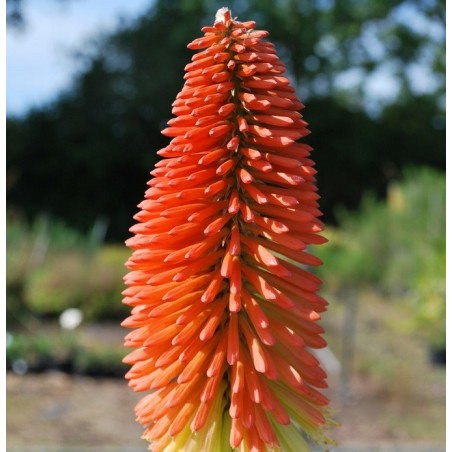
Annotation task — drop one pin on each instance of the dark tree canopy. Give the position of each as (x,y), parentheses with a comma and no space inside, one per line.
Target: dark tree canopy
(88,154)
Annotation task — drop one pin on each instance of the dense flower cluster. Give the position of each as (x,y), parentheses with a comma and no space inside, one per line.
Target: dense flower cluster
(224,310)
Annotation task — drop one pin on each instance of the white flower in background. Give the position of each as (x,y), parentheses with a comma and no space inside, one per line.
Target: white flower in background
(70,318)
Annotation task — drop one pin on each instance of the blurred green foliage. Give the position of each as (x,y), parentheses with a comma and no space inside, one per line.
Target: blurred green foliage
(50,267)
(88,154)
(398,246)
(34,352)
(61,350)
(100,361)
(91,283)
(84,159)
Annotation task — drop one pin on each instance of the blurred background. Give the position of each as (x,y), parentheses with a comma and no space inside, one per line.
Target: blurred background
(89,87)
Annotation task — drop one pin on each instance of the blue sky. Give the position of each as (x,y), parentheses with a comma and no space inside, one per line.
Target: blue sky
(39,63)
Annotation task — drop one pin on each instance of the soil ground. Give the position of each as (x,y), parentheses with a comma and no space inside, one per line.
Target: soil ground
(394,399)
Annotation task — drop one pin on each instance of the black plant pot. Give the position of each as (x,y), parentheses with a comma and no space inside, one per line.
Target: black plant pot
(438,356)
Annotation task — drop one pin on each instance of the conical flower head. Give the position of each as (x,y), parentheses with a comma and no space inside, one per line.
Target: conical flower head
(224,310)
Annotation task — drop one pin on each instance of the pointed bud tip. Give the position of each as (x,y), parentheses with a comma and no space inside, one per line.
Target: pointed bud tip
(223,15)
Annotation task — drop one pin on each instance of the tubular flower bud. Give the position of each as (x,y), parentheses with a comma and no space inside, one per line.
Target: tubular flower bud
(224,309)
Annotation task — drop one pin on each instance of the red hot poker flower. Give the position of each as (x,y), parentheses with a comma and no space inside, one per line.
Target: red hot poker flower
(224,310)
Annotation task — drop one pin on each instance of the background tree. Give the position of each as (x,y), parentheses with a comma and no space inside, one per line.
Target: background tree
(87,155)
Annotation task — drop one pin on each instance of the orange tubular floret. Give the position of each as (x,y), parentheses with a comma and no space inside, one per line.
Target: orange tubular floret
(220,296)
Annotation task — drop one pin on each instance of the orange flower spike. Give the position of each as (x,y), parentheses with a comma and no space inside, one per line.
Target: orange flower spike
(222,307)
